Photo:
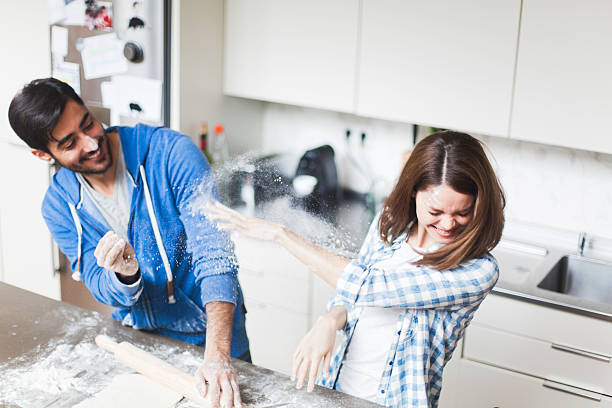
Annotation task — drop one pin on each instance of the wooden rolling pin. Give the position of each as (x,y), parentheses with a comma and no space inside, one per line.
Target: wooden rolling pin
(154,368)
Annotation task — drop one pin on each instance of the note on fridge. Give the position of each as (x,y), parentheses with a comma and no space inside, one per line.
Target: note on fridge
(69,73)
(102,56)
(135,97)
(59,41)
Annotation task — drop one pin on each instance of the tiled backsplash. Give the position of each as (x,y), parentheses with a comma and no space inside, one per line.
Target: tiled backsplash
(545,185)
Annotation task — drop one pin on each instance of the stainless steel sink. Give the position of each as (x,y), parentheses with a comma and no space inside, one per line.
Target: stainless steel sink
(585,278)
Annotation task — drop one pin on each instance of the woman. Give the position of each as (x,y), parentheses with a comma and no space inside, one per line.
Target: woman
(423,270)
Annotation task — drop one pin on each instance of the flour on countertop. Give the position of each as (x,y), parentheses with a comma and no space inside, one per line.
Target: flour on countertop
(72,367)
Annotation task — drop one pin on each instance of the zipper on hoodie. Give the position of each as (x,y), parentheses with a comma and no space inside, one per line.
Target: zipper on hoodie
(145,302)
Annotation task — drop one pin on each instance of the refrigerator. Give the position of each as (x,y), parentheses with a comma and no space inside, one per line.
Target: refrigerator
(116,55)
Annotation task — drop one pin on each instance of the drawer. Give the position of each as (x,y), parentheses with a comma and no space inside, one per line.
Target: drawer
(483,386)
(558,362)
(545,323)
(259,256)
(274,334)
(267,287)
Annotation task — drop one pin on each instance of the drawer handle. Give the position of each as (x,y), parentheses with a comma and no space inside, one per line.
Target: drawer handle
(583,353)
(553,385)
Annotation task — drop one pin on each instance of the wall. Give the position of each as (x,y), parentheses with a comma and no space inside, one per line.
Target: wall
(545,185)
(25,243)
(201,98)
(24,41)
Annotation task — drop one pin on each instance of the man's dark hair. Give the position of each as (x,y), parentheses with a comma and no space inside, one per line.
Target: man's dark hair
(36,109)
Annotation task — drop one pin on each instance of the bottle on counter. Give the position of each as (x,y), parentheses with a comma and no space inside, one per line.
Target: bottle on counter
(204,141)
(220,150)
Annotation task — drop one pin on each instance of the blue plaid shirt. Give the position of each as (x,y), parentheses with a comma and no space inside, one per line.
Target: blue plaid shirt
(438,305)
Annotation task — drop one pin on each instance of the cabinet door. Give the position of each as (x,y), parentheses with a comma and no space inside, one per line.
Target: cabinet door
(563,93)
(292,51)
(27,257)
(447,63)
(274,334)
(483,386)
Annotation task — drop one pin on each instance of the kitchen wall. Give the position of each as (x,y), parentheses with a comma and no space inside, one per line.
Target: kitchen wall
(199,37)
(545,185)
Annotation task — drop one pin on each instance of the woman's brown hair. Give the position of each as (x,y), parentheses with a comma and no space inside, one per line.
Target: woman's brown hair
(459,161)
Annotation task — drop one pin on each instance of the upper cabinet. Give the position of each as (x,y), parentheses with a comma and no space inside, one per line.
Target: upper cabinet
(292,51)
(449,64)
(563,90)
(536,70)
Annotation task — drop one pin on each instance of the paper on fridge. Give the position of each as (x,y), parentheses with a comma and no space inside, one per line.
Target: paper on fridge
(59,41)
(67,72)
(67,12)
(133,96)
(56,11)
(102,56)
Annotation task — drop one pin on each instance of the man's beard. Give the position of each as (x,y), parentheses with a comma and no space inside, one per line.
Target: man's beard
(79,169)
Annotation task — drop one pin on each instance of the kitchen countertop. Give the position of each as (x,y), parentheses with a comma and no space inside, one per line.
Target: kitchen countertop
(521,267)
(48,358)
(522,270)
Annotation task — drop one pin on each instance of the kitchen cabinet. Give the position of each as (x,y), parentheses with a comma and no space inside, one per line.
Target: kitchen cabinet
(563,92)
(25,242)
(484,386)
(277,290)
(517,354)
(440,63)
(292,52)
(283,300)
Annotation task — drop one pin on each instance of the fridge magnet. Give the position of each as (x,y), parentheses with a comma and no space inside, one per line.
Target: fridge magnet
(98,15)
(136,21)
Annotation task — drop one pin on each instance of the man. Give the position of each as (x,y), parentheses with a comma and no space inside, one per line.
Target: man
(124,209)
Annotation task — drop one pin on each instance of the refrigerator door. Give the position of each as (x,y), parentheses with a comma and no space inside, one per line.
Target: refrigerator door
(135,86)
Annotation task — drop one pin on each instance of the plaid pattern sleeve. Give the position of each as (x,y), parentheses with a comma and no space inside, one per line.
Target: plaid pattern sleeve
(417,286)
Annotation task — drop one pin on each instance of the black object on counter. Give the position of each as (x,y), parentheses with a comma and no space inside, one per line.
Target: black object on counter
(257,181)
(323,200)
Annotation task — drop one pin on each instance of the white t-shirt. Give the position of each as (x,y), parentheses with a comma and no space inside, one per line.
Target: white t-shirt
(365,358)
(116,210)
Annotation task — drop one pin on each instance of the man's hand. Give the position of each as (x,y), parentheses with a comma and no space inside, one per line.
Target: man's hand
(218,381)
(116,254)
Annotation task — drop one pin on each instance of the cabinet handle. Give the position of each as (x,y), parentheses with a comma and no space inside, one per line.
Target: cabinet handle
(55,257)
(553,385)
(601,357)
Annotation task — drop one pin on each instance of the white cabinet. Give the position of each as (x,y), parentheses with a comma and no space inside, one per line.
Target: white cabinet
(485,386)
(292,51)
(518,354)
(563,92)
(25,242)
(447,64)
(283,300)
(276,289)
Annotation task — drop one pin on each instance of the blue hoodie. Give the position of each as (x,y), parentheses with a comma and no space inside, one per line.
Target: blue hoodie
(185,262)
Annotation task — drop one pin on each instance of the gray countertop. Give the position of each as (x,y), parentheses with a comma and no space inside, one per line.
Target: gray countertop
(522,271)
(48,358)
(521,268)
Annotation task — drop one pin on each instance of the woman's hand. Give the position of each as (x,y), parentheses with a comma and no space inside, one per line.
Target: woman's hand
(316,347)
(230,220)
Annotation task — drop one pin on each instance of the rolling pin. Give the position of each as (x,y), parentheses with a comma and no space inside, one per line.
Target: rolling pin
(154,368)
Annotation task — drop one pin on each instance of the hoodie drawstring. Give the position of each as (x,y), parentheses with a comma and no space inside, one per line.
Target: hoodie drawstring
(76,275)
